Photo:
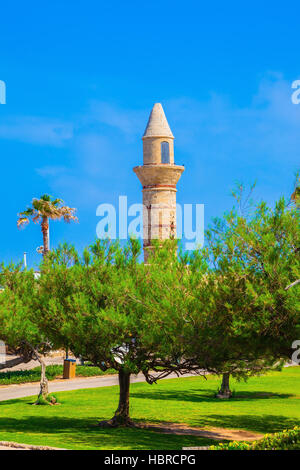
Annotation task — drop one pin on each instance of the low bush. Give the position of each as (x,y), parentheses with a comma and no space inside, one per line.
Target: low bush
(51,399)
(284,440)
(52,372)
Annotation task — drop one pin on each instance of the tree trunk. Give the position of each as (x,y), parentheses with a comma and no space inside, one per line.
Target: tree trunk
(121,417)
(44,390)
(225,391)
(45,231)
(14,362)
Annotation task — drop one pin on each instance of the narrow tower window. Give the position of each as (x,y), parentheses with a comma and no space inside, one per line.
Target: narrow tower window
(165,152)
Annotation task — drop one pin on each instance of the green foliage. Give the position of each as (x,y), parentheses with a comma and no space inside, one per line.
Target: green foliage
(52,372)
(18,329)
(42,401)
(46,207)
(285,440)
(225,308)
(97,305)
(239,299)
(50,399)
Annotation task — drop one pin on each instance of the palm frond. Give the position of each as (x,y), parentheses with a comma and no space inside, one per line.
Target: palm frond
(27,213)
(48,207)
(22,221)
(46,198)
(57,201)
(36,219)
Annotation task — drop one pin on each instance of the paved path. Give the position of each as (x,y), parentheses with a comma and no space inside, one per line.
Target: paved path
(8,448)
(25,390)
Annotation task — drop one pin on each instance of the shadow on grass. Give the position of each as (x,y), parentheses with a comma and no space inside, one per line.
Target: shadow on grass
(253,395)
(83,433)
(12,401)
(203,395)
(256,423)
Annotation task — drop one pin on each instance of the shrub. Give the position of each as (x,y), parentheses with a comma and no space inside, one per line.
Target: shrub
(43,401)
(51,398)
(284,440)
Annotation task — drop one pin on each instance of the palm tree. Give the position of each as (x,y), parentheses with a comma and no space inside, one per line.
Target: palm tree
(44,209)
(296,194)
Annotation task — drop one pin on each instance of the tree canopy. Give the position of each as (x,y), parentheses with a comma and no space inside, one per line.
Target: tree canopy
(226,309)
(97,305)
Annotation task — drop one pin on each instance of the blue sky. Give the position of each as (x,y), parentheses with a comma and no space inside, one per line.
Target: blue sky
(81,80)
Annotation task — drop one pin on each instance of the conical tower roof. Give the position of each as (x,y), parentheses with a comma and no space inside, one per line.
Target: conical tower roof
(158,125)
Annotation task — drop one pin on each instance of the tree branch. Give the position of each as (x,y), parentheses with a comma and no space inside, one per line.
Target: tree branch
(293,284)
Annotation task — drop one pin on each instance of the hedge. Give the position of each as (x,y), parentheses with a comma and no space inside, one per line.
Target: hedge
(52,372)
(284,440)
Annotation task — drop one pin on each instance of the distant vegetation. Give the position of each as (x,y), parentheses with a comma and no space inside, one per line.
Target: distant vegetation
(53,372)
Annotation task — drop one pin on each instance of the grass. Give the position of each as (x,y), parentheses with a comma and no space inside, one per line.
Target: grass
(53,372)
(264,404)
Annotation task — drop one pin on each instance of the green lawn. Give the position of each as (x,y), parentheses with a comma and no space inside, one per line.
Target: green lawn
(264,404)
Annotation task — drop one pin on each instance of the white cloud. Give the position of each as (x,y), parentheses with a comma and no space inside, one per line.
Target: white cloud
(268,128)
(256,139)
(130,122)
(37,130)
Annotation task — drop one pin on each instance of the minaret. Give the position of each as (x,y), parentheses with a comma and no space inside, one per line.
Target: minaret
(159,176)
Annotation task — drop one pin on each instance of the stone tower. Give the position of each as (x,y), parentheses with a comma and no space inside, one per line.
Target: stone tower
(159,176)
